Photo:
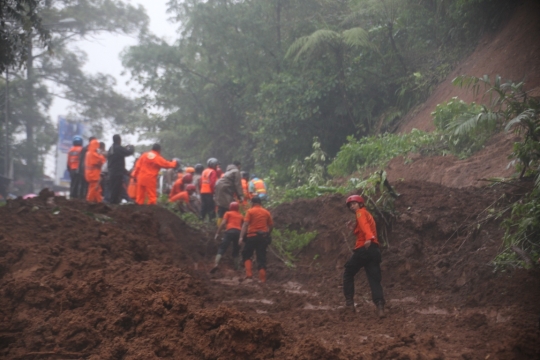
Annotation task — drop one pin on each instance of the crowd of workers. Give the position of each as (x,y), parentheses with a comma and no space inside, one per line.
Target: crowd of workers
(207,192)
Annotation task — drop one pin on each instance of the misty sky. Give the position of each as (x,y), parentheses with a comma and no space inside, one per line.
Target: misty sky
(103,53)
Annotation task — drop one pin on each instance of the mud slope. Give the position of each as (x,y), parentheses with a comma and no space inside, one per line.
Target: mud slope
(80,281)
(445,301)
(513,53)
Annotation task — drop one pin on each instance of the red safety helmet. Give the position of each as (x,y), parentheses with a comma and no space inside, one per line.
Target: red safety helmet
(234,206)
(187,179)
(190,187)
(355,198)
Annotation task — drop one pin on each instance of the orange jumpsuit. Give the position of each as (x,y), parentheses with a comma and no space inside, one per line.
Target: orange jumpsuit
(178,186)
(132,188)
(93,163)
(244,205)
(146,172)
(181,197)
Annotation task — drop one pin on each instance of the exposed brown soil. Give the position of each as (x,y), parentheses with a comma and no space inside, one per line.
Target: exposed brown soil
(82,281)
(513,52)
(490,162)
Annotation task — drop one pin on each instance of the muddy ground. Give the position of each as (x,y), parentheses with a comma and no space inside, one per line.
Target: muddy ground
(81,281)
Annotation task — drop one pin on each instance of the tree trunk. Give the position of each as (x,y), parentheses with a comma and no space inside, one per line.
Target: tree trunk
(278,34)
(394,47)
(29,118)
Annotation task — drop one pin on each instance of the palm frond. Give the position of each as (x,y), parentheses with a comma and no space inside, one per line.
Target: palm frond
(467,124)
(358,37)
(306,45)
(527,115)
(296,46)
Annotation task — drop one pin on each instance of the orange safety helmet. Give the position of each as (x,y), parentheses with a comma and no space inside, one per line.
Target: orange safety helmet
(191,188)
(234,206)
(355,198)
(190,170)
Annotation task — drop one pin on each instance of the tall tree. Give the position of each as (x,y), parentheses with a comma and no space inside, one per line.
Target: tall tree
(93,96)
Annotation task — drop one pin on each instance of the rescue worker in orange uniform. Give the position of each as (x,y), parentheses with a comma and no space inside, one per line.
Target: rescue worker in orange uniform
(132,186)
(256,234)
(366,255)
(94,160)
(199,168)
(232,222)
(146,173)
(73,160)
(208,183)
(244,205)
(257,187)
(183,199)
(180,184)
(83,190)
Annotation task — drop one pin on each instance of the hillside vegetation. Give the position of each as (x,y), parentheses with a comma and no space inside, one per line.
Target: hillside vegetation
(259,80)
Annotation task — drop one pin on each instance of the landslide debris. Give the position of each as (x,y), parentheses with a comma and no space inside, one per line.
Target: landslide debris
(83,281)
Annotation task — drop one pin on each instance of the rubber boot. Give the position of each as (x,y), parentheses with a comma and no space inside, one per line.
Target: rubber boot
(349,305)
(216,264)
(237,263)
(380,310)
(262,275)
(247,266)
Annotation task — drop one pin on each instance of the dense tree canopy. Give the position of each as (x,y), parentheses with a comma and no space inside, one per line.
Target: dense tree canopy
(258,79)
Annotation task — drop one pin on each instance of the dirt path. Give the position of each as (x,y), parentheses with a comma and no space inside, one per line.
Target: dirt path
(422,325)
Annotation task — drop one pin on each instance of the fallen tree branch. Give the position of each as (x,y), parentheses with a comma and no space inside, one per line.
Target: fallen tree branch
(523,255)
(501,182)
(378,210)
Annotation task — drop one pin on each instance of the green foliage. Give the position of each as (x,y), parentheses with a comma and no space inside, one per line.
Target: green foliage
(20,21)
(257,80)
(311,171)
(189,218)
(512,108)
(288,243)
(522,231)
(465,127)
(308,192)
(376,151)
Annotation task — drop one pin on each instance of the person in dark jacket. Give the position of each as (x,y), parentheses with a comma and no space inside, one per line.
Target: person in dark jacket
(83,189)
(116,162)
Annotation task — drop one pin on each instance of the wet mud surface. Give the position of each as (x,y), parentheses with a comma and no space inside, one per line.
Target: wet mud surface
(81,281)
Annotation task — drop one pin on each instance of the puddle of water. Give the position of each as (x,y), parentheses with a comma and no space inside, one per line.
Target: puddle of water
(432,310)
(296,288)
(228,281)
(409,299)
(308,306)
(261,301)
